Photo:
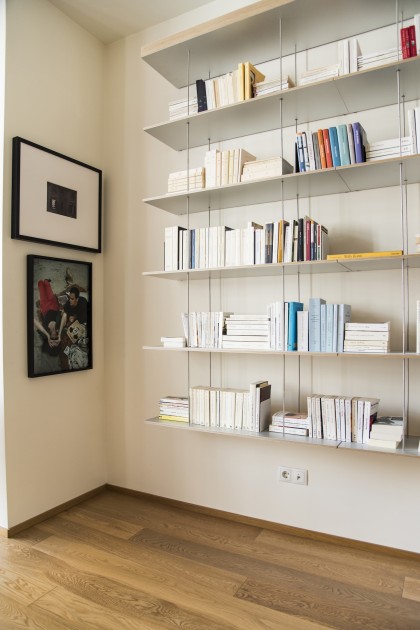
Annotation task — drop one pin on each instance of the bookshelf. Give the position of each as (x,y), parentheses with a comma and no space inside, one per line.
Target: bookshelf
(215,48)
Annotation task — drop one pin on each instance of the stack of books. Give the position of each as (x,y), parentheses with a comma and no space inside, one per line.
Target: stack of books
(173,342)
(204,329)
(290,423)
(247,331)
(382,57)
(319,74)
(248,410)
(367,337)
(269,87)
(183,107)
(326,148)
(386,432)
(225,167)
(174,409)
(393,147)
(269,167)
(181,181)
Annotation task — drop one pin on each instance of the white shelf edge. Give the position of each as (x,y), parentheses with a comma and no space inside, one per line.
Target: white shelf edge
(410,451)
(381,355)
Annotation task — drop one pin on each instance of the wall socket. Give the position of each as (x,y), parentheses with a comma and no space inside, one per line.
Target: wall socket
(293,475)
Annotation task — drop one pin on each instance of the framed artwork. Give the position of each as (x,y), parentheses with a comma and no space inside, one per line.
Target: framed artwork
(59,317)
(55,200)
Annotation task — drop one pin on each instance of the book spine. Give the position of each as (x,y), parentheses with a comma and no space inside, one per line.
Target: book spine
(327,146)
(413,43)
(322,149)
(405,42)
(418,327)
(335,150)
(359,147)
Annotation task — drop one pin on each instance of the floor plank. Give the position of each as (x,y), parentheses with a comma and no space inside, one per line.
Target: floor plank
(120,562)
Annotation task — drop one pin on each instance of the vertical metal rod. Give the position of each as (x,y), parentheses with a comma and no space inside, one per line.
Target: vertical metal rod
(188,225)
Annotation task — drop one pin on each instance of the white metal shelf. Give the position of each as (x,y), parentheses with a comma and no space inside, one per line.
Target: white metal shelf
(367,89)
(410,444)
(253,33)
(341,179)
(293,268)
(322,355)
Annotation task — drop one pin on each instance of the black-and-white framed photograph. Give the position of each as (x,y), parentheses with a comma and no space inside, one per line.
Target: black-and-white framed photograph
(55,199)
(59,315)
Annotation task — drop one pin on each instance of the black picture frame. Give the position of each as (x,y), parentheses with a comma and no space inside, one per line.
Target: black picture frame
(56,200)
(59,294)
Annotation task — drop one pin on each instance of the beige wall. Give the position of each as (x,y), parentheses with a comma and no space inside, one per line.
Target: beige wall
(54,430)
(52,457)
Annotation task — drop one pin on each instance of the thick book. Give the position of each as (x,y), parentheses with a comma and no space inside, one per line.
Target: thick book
(327,147)
(343,145)
(201,95)
(335,149)
(288,430)
(251,76)
(292,341)
(360,142)
(322,148)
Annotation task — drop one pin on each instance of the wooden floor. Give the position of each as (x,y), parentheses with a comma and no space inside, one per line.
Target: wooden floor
(120,562)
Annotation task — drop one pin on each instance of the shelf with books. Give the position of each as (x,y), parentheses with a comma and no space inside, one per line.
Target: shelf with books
(410,447)
(264,435)
(218,45)
(336,180)
(293,268)
(321,355)
(363,90)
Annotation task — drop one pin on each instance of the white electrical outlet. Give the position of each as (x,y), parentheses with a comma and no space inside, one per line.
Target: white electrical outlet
(292,475)
(285,474)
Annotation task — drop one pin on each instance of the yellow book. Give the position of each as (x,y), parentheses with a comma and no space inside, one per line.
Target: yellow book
(252,75)
(395,252)
(173,418)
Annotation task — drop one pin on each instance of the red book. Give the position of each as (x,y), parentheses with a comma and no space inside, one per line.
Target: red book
(413,42)
(327,145)
(405,42)
(322,149)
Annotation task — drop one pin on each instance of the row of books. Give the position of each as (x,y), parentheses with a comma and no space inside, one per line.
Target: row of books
(221,246)
(229,88)
(204,329)
(344,418)
(320,328)
(174,409)
(336,146)
(225,167)
(243,410)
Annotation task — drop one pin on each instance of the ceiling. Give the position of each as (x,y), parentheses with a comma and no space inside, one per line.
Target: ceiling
(110,20)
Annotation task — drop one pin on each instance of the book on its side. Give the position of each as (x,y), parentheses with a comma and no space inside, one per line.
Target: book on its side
(392,444)
(395,252)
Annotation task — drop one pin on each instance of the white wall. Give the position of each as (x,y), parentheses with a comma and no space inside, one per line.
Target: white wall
(364,496)
(54,431)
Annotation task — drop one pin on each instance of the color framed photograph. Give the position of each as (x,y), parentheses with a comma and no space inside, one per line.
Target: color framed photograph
(59,320)
(56,200)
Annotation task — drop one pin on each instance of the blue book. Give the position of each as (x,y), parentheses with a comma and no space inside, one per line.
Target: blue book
(294,307)
(343,145)
(301,154)
(315,324)
(192,252)
(329,328)
(359,135)
(335,150)
(335,325)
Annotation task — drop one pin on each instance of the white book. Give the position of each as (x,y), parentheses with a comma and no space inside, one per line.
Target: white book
(381,326)
(354,52)
(390,143)
(302,331)
(367,335)
(391,444)
(417,120)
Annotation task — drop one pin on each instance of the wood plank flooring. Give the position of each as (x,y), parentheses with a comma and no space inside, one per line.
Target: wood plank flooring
(121,562)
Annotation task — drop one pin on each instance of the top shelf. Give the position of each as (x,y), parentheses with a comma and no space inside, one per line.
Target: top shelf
(264,31)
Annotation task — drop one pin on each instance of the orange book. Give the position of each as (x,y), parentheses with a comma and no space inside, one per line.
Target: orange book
(322,149)
(327,146)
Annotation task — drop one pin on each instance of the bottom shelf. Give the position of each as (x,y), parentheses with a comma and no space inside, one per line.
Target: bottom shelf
(411,444)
